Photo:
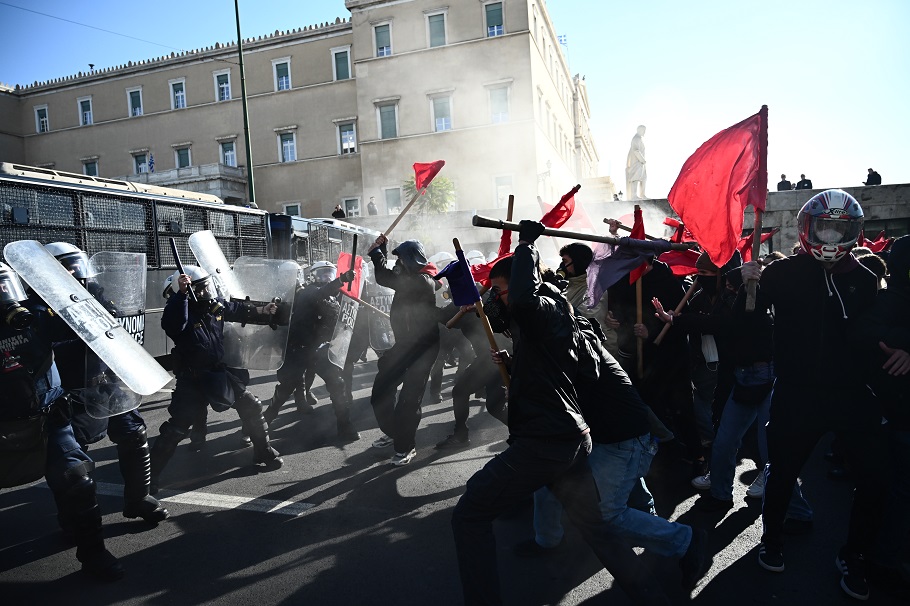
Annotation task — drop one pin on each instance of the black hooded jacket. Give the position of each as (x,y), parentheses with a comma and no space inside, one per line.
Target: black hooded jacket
(543,401)
(413,312)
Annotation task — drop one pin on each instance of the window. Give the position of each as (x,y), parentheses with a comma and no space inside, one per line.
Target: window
(85,111)
(287,143)
(182,157)
(140,162)
(222,85)
(393,200)
(351,207)
(347,138)
(341,63)
(281,70)
(90,168)
(442,113)
(436,29)
(178,93)
(228,153)
(388,121)
(42,125)
(134,97)
(502,188)
(493,13)
(292,209)
(499,105)
(383,36)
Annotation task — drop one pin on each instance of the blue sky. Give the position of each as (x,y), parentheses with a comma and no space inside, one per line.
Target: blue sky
(835,74)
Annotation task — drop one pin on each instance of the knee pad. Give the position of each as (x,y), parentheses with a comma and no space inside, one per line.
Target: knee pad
(248,401)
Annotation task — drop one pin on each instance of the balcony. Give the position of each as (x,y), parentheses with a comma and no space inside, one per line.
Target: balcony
(227,182)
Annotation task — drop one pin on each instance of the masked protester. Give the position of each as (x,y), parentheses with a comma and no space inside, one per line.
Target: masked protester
(196,325)
(34,408)
(408,363)
(127,430)
(818,295)
(316,308)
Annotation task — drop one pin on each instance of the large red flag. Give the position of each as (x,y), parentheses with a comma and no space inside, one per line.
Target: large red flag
(637,233)
(558,215)
(724,176)
(424,173)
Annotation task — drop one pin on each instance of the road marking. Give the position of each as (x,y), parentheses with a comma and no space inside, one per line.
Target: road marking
(216,501)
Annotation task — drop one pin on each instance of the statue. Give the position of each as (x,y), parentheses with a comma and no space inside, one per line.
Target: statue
(636,173)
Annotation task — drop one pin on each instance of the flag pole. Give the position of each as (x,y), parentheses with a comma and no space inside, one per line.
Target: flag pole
(629,229)
(404,211)
(485,322)
(751,285)
(679,308)
(364,303)
(479,221)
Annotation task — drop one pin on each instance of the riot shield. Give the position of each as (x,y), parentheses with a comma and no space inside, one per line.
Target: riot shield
(86,316)
(260,347)
(347,316)
(211,258)
(119,285)
(381,336)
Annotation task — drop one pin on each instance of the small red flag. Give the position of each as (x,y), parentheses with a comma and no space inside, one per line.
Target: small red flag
(745,244)
(424,173)
(558,215)
(681,262)
(638,233)
(344,264)
(726,174)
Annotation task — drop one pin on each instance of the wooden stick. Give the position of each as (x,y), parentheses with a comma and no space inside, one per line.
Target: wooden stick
(629,229)
(751,285)
(478,306)
(403,212)
(511,207)
(461,313)
(640,319)
(479,221)
(679,308)
(364,303)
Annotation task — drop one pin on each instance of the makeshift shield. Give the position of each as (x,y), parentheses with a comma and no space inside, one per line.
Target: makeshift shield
(255,346)
(344,326)
(381,336)
(86,316)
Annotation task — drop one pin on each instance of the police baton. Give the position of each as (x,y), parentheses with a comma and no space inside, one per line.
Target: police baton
(180,269)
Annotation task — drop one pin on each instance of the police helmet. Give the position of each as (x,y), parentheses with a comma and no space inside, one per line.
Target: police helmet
(200,281)
(475,257)
(323,272)
(72,258)
(12,292)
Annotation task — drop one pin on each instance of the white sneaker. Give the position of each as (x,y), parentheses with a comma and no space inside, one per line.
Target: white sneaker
(756,489)
(702,482)
(403,458)
(383,441)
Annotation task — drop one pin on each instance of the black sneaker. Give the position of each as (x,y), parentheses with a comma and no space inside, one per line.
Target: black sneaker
(708,503)
(696,561)
(853,568)
(101,565)
(770,558)
(532,549)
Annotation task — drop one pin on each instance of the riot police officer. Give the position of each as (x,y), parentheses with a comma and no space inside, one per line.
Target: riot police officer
(33,399)
(316,309)
(197,328)
(126,430)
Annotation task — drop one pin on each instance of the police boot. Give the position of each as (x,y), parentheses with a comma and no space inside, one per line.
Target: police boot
(136,468)
(162,451)
(250,410)
(281,395)
(199,430)
(82,509)
(305,401)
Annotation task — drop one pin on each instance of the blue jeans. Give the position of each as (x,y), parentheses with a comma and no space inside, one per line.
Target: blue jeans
(617,468)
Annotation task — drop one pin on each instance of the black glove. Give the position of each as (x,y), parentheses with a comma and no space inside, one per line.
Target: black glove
(347,276)
(529,231)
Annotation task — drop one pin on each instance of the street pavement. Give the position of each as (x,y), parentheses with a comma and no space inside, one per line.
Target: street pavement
(338,525)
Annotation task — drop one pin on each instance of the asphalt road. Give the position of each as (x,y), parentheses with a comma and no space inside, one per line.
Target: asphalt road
(337,525)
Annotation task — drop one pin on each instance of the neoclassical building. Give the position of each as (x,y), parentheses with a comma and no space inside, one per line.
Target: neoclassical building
(338,112)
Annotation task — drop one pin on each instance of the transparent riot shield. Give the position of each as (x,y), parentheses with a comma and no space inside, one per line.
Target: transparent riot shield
(381,336)
(261,347)
(88,318)
(347,316)
(211,258)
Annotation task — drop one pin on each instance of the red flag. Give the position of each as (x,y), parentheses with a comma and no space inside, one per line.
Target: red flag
(726,174)
(681,262)
(344,264)
(637,233)
(505,243)
(424,173)
(745,244)
(559,214)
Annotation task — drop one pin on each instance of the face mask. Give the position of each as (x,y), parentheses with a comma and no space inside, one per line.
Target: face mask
(16,316)
(708,284)
(498,314)
(398,268)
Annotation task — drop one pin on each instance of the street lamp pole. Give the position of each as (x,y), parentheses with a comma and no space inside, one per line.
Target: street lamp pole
(246,117)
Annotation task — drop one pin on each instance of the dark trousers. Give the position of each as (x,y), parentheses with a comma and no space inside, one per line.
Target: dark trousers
(800,416)
(450,340)
(299,361)
(480,374)
(510,478)
(408,365)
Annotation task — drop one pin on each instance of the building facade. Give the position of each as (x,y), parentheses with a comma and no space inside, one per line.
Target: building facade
(338,112)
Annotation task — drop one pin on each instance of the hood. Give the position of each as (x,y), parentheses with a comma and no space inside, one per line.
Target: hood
(412,255)
(899,264)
